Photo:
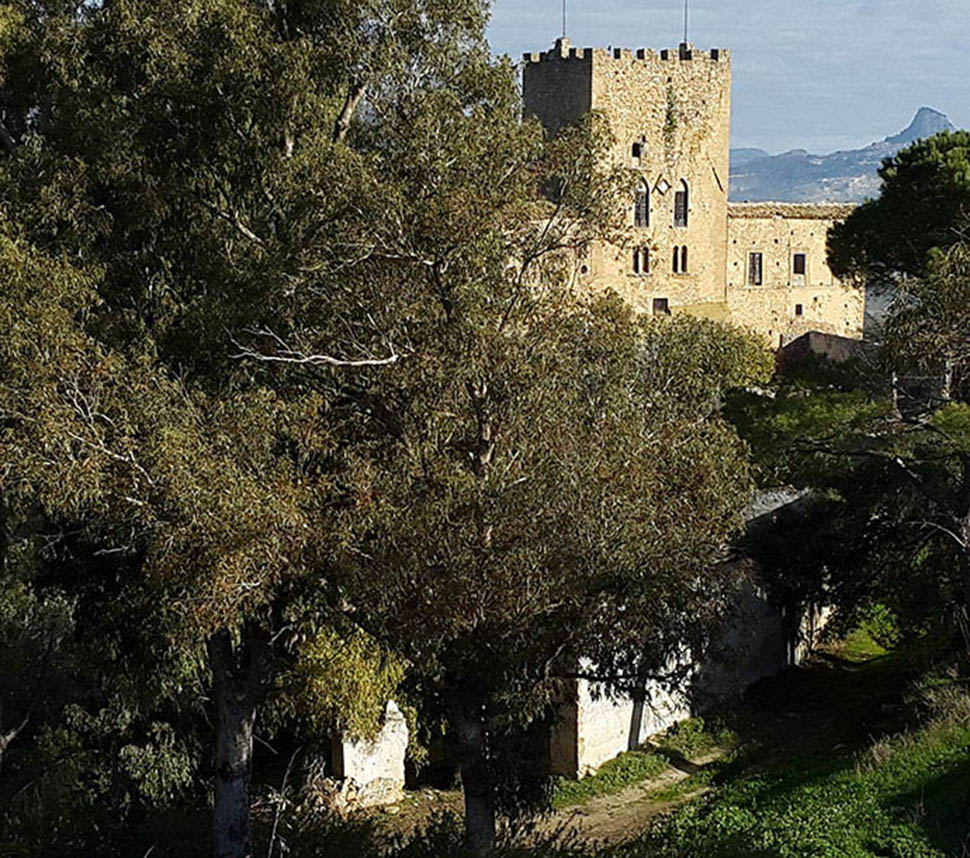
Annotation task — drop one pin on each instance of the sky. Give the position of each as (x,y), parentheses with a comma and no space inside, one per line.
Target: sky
(820,75)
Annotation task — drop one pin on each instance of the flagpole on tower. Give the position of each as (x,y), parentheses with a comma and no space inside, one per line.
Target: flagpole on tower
(686,18)
(564,19)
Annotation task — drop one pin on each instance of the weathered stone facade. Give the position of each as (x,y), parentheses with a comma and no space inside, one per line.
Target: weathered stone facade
(791,299)
(686,248)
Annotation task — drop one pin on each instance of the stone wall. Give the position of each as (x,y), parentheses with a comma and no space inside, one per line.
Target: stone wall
(778,232)
(757,641)
(372,772)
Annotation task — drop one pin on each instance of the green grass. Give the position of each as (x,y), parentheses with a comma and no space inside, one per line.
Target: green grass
(690,739)
(686,787)
(614,776)
(906,797)
(686,740)
(859,646)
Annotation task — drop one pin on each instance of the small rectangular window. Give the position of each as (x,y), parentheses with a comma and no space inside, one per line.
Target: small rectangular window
(661,307)
(641,260)
(641,209)
(798,309)
(755,276)
(798,264)
(680,208)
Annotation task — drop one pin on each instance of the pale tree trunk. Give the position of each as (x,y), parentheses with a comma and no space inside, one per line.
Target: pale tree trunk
(7,737)
(476,781)
(351,102)
(963,518)
(6,138)
(948,367)
(237,677)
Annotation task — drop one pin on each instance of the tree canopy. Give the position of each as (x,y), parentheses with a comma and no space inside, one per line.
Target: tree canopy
(925,199)
(292,355)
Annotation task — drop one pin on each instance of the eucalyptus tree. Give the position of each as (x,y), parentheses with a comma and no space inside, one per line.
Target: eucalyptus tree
(183,186)
(177,176)
(293,332)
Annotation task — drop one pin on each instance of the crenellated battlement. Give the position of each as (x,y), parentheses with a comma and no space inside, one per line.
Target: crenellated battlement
(564,52)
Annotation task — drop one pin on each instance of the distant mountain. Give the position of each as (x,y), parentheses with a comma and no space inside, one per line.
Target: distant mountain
(849,176)
(742,156)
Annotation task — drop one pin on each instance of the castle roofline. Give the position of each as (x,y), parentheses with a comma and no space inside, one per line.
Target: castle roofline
(795,211)
(564,50)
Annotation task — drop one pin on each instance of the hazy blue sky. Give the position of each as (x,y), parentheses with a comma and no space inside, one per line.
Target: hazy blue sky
(814,74)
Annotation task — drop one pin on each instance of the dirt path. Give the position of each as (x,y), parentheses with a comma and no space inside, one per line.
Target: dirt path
(612,819)
(607,819)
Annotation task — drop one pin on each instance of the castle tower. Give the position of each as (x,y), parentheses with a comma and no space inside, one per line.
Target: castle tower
(670,114)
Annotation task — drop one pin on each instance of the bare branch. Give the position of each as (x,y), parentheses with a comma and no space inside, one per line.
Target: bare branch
(944,530)
(284,353)
(234,220)
(353,99)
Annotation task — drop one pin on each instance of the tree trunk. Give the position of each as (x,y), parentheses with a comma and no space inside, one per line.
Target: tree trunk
(963,522)
(9,736)
(353,99)
(476,780)
(948,366)
(6,138)
(234,689)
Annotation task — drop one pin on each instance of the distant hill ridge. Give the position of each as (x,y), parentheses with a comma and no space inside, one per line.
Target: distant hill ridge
(846,177)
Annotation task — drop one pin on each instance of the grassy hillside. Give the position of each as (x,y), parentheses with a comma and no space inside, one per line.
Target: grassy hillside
(863,755)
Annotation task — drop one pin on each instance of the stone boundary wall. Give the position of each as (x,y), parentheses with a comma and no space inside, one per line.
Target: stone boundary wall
(757,640)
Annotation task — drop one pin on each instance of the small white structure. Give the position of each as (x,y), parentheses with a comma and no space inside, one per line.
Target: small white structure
(373,771)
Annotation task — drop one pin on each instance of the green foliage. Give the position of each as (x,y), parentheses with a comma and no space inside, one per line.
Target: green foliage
(925,194)
(343,680)
(627,769)
(880,624)
(687,739)
(290,342)
(774,424)
(954,421)
(928,325)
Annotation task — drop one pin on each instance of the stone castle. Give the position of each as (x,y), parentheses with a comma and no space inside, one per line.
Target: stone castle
(688,249)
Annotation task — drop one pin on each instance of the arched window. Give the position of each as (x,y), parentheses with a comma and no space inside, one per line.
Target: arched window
(680,259)
(676,260)
(641,260)
(681,204)
(641,208)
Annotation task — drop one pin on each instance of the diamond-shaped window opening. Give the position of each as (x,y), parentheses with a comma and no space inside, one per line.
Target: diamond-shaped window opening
(662,186)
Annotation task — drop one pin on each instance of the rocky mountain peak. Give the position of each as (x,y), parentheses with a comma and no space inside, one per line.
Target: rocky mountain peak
(926,123)
(846,176)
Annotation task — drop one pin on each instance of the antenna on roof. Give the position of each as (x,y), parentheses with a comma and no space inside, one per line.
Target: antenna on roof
(686,18)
